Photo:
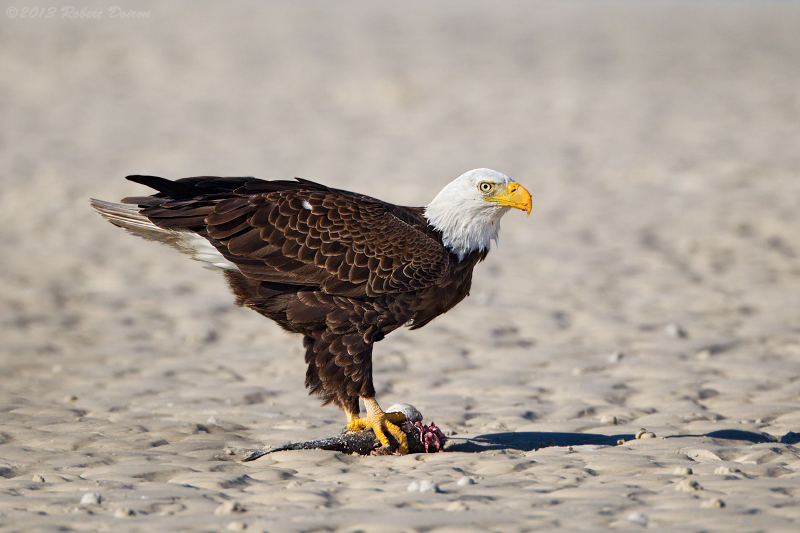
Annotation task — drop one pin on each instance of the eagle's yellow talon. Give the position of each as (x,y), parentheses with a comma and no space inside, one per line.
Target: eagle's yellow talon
(400,437)
(380,423)
(354,423)
(395,418)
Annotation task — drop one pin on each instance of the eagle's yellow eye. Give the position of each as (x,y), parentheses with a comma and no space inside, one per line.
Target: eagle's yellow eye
(485,186)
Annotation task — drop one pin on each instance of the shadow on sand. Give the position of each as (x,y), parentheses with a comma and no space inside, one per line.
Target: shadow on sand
(530,440)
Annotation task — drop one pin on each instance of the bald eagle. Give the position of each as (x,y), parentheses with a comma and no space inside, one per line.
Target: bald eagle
(340,268)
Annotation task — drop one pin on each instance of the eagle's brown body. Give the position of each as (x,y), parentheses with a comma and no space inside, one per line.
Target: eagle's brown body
(340,268)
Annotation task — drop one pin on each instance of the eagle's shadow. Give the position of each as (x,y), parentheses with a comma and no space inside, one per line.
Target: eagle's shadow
(527,441)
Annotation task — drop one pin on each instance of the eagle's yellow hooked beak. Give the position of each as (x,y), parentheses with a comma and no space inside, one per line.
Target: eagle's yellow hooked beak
(516,196)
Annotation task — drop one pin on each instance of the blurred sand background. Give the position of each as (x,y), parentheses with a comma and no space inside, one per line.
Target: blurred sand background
(655,285)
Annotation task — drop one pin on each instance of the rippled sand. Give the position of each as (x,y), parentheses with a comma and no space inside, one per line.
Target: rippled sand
(656,284)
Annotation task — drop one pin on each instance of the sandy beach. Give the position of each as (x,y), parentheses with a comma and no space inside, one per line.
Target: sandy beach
(655,286)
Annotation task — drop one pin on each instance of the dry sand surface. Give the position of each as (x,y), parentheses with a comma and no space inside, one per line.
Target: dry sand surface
(656,284)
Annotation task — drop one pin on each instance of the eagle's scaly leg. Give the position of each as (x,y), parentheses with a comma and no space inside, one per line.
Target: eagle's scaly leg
(380,422)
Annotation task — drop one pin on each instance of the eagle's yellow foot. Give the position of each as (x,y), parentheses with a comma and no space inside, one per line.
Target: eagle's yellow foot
(380,423)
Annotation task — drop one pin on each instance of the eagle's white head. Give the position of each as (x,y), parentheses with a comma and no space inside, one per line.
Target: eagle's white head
(468,210)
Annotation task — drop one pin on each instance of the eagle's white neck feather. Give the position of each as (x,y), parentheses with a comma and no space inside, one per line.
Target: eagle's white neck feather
(466,220)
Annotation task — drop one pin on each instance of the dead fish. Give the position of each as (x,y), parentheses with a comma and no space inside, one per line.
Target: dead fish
(421,439)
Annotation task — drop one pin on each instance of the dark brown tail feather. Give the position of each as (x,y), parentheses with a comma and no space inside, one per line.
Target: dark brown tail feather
(188,188)
(167,188)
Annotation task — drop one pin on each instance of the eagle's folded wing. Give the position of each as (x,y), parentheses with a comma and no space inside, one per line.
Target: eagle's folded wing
(347,244)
